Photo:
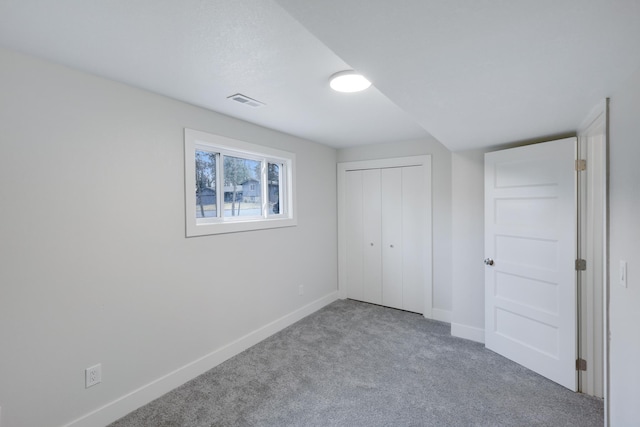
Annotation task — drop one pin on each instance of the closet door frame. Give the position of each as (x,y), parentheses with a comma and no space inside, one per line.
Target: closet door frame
(423,161)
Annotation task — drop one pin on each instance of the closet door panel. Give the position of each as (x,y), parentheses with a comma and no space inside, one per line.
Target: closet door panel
(385,232)
(391,185)
(354,234)
(413,238)
(372,270)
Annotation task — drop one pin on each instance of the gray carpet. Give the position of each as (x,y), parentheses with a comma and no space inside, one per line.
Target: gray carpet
(356,364)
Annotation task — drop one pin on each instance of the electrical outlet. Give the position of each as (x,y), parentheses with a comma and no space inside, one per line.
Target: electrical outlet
(301,290)
(623,274)
(92,375)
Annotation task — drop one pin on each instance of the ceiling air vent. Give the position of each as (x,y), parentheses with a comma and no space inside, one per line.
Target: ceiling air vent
(242,99)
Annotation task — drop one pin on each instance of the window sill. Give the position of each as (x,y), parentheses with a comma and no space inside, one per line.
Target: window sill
(205,229)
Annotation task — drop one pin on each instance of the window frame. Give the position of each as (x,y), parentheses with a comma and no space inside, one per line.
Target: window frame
(203,141)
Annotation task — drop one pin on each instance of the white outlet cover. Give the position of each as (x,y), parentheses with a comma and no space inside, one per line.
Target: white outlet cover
(623,274)
(92,375)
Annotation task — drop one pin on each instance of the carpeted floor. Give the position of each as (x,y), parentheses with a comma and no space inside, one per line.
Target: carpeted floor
(356,364)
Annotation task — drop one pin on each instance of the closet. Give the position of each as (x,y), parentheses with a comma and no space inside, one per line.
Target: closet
(384,232)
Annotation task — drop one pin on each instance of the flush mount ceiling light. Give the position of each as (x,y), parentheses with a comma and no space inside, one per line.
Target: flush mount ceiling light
(348,81)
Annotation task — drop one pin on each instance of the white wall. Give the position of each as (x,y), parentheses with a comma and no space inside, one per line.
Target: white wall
(624,208)
(94,263)
(441,194)
(468,244)
(94,266)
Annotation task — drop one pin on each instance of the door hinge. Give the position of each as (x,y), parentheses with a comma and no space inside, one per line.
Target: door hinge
(581,165)
(581,264)
(581,365)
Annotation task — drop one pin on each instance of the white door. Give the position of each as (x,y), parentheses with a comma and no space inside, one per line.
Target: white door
(371,223)
(391,194)
(414,240)
(354,235)
(384,232)
(403,243)
(363,235)
(530,245)
(386,243)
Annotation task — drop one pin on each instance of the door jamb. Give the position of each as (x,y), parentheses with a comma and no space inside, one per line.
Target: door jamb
(595,125)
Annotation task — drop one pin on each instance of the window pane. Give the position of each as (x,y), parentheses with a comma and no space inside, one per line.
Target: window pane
(273,174)
(242,187)
(206,204)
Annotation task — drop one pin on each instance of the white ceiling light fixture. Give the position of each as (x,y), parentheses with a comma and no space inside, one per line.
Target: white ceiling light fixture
(348,81)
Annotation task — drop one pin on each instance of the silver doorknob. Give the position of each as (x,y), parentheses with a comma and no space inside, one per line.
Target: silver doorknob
(488,261)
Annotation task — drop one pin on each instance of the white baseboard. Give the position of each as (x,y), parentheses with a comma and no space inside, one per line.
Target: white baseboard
(467,332)
(145,394)
(441,315)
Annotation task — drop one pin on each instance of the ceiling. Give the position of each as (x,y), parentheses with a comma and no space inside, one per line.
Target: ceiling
(471,73)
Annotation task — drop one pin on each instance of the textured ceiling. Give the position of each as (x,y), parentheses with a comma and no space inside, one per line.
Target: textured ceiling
(202,52)
(484,72)
(471,73)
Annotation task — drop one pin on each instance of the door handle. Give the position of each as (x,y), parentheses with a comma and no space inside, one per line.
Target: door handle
(488,261)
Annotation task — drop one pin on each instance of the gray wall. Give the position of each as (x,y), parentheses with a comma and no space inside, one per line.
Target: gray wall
(468,244)
(441,194)
(111,279)
(624,205)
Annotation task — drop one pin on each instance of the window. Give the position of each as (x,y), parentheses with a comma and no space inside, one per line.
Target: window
(232,185)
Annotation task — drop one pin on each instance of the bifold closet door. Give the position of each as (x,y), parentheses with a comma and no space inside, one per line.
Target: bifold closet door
(354,254)
(414,240)
(385,236)
(371,222)
(391,209)
(363,220)
(403,242)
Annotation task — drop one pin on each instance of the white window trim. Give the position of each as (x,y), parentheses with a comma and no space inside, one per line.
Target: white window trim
(193,140)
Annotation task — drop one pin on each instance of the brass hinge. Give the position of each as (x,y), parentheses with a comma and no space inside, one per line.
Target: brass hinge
(581,365)
(581,165)
(581,264)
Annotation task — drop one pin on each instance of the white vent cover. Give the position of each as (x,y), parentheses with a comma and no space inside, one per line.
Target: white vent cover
(238,97)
